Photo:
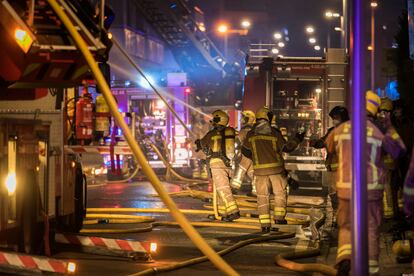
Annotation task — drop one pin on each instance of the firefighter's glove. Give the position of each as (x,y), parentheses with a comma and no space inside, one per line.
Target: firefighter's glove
(300,136)
(198,145)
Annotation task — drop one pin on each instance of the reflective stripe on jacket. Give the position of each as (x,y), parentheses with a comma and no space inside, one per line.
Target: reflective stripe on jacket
(378,144)
(266,145)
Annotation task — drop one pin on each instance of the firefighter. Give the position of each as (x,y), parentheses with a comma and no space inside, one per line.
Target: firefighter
(390,197)
(339,141)
(339,115)
(219,145)
(264,145)
(245,165)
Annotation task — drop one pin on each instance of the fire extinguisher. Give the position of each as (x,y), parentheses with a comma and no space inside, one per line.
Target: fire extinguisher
(102,118)
(84,117)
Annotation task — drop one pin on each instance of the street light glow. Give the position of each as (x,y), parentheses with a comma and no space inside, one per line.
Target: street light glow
(328,14)
(374,4)
(275,51)
(369,48)
(317,48)
(281,44)
(310,30)
(312,40)
(338,29)
(246,24)
(335,14)
(222,28)
(277,35)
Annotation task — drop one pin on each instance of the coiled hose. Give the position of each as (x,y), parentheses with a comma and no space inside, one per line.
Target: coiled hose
(153,270)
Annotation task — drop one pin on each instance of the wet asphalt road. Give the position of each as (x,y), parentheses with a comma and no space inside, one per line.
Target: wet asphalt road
(174,246)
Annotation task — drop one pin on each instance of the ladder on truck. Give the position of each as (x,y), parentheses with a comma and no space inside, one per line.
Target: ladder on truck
(192,48)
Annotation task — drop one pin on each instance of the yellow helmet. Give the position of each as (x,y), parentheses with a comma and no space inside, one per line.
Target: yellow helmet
(386,104)
(248,117)
(220,118)
(373,102)
(263,113)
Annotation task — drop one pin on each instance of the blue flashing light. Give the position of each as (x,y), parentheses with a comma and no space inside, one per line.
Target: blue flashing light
(127,83)
(173,6)
(391,90)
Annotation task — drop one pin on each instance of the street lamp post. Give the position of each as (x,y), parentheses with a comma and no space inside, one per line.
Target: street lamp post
(373,48)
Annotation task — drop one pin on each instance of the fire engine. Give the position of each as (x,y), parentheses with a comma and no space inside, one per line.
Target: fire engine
(300,91)
(42,113)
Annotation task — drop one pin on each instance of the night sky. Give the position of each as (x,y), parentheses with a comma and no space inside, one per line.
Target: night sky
(294,15)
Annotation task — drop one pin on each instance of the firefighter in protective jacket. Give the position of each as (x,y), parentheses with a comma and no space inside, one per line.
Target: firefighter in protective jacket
(219,145)
(339,115)
(245,165)
(264,145)
(339,141)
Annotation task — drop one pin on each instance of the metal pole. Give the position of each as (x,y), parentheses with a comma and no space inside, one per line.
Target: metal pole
(373,49)
(226,45)
(342,32)
(359,163)
(102,14)
(345,22)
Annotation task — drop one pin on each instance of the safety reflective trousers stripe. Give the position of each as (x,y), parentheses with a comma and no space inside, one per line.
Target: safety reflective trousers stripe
(408,191)
(373,266)
(344,250)
(215,160)
(279,211)
(231,206)
(236,182)
(264,219)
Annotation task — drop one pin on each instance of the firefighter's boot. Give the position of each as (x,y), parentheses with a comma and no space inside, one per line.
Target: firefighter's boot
(231,217)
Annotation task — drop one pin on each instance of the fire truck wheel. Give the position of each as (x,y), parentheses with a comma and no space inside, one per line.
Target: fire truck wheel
(30,237)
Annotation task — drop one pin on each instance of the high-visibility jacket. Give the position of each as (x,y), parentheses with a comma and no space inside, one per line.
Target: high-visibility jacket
(219,142)
(378,144)
(331,161)
(408,193)
(266,145)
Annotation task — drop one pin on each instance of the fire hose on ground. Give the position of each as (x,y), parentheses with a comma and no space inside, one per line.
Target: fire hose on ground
(103,86)
(278,236)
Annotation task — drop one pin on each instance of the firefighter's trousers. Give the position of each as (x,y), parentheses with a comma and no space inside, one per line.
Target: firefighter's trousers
(263,185)
(245,167)
(226,203)
(344,235)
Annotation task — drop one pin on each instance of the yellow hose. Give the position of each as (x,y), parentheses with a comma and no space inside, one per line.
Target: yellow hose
(149,172)
(221,253)
(147,210)
(281,260)
(171,169)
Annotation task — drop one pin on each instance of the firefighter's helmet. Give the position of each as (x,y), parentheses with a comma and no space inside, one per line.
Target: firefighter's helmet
(220,118)
(386,104)
(373,102)
(340,111)
(263,114)
(248,117)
